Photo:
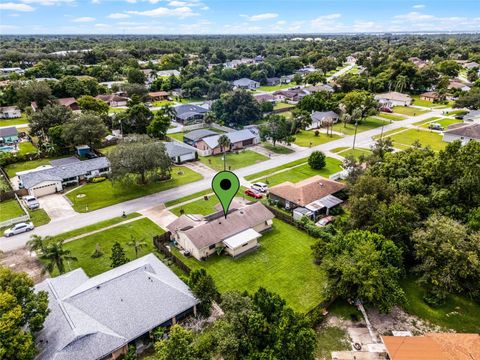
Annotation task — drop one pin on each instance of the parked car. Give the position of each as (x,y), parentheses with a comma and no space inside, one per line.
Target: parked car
(325,221)
(262,187)
(435,126)
(253,193)
(31,202)
(18,229)
(386,109)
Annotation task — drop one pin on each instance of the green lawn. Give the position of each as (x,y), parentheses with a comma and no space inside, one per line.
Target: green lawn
(386,133)
(389,116)
(178,136)
(355,153)
(12,122)
(10,209)
(367,124)
(418,102)
(107,150)
(189,197)
(283,264)
(234,160)
(282,105)
(277,149)
(457,112)
(99,195)
(4,185)
(83,248)
(26,147)
(410,111)
(39,217)
(307,138)
(444,122)
(275,169)
(275,87)
(303,172)
(116,110)
(12,169)
(331,338)
(342,309)
(418,123)
(162,103)
(458,313)
(432,139)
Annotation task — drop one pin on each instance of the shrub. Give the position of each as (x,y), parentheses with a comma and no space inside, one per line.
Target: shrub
(98,179)
(317,160)
(97,252)
(317,132)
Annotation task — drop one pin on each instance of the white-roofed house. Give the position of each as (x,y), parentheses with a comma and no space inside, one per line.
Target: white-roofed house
(393,98)
(238,140)
(245,83)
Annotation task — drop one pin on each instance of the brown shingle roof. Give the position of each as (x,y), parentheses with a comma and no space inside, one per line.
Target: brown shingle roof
(306,191)
(66,101)
(111,97)
(441,346)
(213,231)
(471,131)
(158,93)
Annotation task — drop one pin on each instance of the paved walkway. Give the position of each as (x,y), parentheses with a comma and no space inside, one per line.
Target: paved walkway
(364,140)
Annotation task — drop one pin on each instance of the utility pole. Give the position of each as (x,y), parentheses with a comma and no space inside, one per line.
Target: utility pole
(355,135)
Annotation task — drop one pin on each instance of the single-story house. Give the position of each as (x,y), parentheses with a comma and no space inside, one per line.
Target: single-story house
(286,79)
(158,95)
(472,116)
(98,317)
(393,98)
(471,65)
(110,84)
(165,73)
(315,195)
(10,112)
(430,96)
(314,89)
(180,152)
(418,62)
(69,171)
(238,140)
(351,59)
(259,58)
(150,75)
(245,83)
(458,85)
(191,138)
(70,103)
(237,233)
(265,98)
(290,95)
(189,113)
(8,135)
(273,81)
(113,100)
(10,70)
(305,70)
(463,132)
(318,117)
(433,346)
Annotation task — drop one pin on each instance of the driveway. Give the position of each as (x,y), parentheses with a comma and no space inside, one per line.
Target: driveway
(160,216)
(200,168)
(56,206)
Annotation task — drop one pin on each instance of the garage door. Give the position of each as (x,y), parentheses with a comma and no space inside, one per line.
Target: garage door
(187,157)
(44,190)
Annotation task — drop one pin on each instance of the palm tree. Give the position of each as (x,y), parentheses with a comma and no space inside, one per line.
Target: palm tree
(37,243)
(136,244)
(401,83)
(224,143)
(345,118)
(169,111)
(55,256)
(209,118)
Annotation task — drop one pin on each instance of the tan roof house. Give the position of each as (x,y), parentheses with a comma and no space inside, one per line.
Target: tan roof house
(393,98)
(113,100)
(237,234)
(430,96)
(70,103)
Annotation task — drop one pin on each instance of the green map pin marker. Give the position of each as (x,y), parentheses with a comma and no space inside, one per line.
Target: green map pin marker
(225,185)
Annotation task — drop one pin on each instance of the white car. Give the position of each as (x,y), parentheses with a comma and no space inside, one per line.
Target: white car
(31,202)
(18,229)
(262,187)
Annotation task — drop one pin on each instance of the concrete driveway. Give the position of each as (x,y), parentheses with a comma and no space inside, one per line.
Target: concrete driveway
(160,216)
(56,206)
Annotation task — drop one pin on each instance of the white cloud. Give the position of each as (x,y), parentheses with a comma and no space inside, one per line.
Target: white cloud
(327,23)
(260,17)
(15,7)
(7,27)
(418,6)
(47,2)
(84,19)
(101,25)
(181,12)
(413,17)
(118,16)
(95,1)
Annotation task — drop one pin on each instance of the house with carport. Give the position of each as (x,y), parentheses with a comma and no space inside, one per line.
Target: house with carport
(236,234)
(239,139)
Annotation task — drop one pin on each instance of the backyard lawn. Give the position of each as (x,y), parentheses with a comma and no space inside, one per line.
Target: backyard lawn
(116,110)
(277,149)
(178,136)
(99,195)
(426,138)
(282,105)
(234,160)
(410,111)
(12,169)
(83,248)
(12,122)
(26,147)
(389,116)
(307,138)
(367,124)
(10,209)
(275,87)
(283,264)
(303,172)
(458,313)
(331,338)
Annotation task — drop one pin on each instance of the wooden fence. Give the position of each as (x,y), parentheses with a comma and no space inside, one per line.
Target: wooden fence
(160,242)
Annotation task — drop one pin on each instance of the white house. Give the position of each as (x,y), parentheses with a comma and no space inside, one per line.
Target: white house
(10,112)
(393,98)
(318,117)
(245,83)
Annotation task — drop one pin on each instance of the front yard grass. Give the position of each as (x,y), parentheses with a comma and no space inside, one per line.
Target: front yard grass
(282,105)
(444,122)
(283,264)
(389,116)
(116,110)
(426,138)
(409,111)
(39,217)
(275,169)
(418,123)
(307,138)
(458,313)
(10,209)
(205,207)
(366,124)
(106,193)
(277,149)
(457,112)
(83,248)
(275,87)
(356,153)
(303,172)
(178,136)
(234,160)
(13,122)
(386,133)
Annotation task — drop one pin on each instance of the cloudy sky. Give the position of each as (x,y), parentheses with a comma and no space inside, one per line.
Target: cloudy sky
(235,16)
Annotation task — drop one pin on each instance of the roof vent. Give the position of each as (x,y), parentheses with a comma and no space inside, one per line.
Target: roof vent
(320,183)
(98,287)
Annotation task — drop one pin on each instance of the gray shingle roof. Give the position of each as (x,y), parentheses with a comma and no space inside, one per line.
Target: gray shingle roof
(8,131)
(323,115)
(91,317)
(189,110)
(199,134)
(176,148)
(472,115)
(63,172)
(234,136)
(471,131)
(244,82)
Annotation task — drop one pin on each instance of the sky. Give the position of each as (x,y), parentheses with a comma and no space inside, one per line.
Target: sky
(235,16)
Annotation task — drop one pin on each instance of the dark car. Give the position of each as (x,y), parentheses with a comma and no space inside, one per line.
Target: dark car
(253,194)
(386,109)
(435,126)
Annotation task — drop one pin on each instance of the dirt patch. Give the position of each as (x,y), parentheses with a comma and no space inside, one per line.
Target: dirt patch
(21,261)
